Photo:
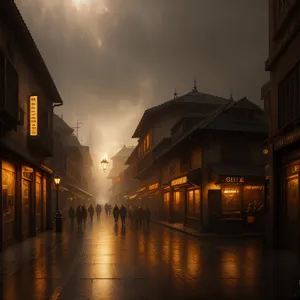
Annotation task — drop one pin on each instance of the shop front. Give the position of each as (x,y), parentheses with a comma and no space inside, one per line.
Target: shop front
(165,212)
(185,199)
(153,199)
(239,204)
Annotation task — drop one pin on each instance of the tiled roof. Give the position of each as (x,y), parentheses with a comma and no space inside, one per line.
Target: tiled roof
(243,171)
(124,152)
(191,97)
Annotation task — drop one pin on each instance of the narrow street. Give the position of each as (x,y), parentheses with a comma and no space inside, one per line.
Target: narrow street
(100,262)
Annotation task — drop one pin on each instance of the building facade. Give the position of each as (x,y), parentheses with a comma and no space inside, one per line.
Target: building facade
(210,173)
(27,97)
(284,112)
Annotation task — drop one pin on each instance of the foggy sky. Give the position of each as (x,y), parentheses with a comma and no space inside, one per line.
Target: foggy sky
(111,59)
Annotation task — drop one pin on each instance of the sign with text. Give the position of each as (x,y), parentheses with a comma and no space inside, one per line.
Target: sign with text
(287,139)
(141,190)
(153,187)
(33,103)
(229,179)
(179,181)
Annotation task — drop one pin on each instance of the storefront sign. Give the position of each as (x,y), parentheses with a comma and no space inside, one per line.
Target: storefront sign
(226,191)
(132,197)
(179,181)
(153,187)
(253,187)
(287,139)
(235,179)
(33,115)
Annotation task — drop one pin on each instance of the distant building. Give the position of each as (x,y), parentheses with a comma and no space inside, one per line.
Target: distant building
(116,174)
(72,162)
(27,97)
(282,100)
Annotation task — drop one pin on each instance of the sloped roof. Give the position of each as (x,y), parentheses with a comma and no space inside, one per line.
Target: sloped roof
(13,18)
(220,120)
(124,152)
(60,125)
(192,97)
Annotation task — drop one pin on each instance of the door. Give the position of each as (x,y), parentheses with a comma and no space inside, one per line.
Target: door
(26,195)
(214,208)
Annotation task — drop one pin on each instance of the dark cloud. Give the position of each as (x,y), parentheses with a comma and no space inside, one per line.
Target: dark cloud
(147,48)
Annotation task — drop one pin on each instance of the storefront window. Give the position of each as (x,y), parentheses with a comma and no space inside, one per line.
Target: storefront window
(166,201)
(231,200)
(197,203)
(8,191)
(38,195)
(253,194)
(176,201)
(292,194)
(191,209)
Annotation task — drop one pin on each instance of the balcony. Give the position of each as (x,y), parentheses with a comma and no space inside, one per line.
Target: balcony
(41,145)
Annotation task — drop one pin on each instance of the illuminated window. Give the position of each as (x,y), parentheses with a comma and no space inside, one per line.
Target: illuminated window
(166,201)
(197,203)
(176,201)
(8,192)
(191,208)
(231,200)
(38,196)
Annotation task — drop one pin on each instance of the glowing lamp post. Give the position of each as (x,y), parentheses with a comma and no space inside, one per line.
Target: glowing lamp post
(58,215)
(104,164)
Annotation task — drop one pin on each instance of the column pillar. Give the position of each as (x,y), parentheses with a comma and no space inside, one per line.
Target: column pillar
(18,216)
(49,216)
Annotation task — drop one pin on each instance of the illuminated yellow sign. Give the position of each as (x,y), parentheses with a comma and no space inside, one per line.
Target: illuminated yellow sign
(153,187)
(33,115)
(235,179)
(132,197)
(178,181)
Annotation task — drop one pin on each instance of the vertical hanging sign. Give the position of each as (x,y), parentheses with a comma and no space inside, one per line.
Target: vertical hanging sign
(33,115)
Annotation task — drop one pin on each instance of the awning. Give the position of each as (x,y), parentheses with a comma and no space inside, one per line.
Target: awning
(237,174)
(191,178)
(77,191)
(60,187)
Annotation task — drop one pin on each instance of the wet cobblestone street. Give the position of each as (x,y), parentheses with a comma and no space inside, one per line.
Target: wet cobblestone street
(102,262)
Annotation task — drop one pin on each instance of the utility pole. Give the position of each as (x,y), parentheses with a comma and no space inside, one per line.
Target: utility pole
(77,127)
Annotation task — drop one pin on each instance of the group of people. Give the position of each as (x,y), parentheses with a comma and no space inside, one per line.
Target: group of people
(82,212)
(138,214)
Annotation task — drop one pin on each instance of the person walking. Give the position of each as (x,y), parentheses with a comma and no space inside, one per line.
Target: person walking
(79,215)
(71,214)
(123,214)
(91,212)
(106,208)
(116,213)
(98,210)
(84,213)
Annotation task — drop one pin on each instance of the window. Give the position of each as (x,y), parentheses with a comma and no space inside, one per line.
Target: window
(231,202)
(288,99)
(191,208)
(145,144)
(176,201)
(38,196)
(194,203)
(166,201)
(8,192)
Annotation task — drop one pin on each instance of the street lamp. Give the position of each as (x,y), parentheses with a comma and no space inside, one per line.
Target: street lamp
(104,164)
(58,215)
